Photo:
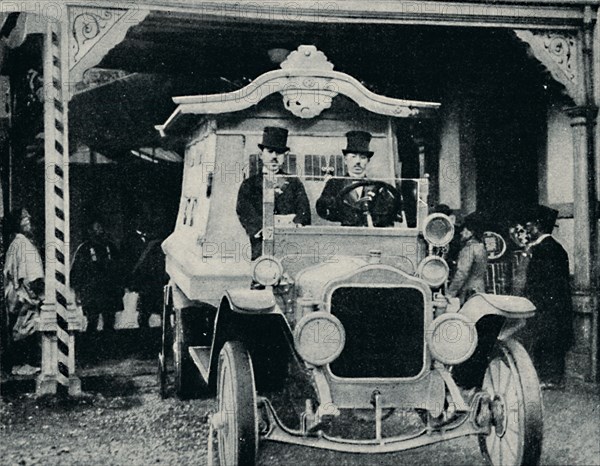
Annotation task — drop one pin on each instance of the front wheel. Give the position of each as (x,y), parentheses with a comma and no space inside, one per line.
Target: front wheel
(236,394)
(516,408)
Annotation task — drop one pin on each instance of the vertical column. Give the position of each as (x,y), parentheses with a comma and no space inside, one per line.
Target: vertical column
(581,206)
(595,58)
(585,301)
(56,323)
(468,162)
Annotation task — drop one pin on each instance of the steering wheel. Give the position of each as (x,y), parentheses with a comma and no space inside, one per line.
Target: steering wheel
(369,204)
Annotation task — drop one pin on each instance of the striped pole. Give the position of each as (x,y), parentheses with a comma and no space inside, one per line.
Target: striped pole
(58,319)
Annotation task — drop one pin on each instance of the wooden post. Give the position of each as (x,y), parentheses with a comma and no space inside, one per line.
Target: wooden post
(58,318)
(583,360)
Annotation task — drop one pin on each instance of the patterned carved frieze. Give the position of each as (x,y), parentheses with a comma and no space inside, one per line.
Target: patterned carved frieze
(94,32)
(560,53)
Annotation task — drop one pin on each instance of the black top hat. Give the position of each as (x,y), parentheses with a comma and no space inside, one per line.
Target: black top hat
(544,216)
(474,223)
(443,209)
(358,143)
(274,138)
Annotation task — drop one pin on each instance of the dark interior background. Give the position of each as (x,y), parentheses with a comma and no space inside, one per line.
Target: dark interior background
(167,55)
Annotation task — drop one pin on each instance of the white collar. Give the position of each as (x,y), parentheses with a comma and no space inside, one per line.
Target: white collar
(539,240)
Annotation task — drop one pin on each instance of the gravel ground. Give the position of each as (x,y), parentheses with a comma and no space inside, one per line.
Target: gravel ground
(122,421)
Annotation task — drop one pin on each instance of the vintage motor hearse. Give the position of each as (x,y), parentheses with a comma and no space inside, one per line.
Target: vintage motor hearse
(345,340)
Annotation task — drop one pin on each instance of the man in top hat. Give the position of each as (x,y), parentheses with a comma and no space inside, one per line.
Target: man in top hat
(365,202)
(290,196)
(549,334)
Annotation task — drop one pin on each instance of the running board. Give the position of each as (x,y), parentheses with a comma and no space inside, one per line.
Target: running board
(201,357)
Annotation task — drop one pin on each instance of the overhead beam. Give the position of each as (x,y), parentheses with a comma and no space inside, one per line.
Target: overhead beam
(459,13)
(565,14)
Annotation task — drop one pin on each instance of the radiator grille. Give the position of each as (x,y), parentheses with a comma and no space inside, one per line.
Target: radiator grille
(384,331)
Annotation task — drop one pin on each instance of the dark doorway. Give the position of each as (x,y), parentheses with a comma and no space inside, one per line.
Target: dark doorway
(508,127)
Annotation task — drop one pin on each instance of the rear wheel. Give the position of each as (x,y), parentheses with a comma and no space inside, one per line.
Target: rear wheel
(166,337)
(236,393)
(187,377)
(516,408)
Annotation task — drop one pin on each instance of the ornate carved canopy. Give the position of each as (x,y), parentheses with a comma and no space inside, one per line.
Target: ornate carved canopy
(308,84)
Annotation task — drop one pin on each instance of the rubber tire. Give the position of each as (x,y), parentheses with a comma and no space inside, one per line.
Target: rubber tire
(528,406)
(236,395)
(166,338)
(188,383)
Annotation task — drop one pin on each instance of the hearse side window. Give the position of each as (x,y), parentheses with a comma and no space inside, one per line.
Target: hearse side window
(289,164)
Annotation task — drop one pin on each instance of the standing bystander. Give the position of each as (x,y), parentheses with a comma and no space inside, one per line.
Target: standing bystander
(471,266)
(96,277)
(23,293)
(549,334)
(147,275)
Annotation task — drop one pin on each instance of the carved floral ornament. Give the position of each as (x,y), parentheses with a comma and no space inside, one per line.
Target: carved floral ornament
(562,50)
(559,53)
(307,97)
(89,23)
(94,32)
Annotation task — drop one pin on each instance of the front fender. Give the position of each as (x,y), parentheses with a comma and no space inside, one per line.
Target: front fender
(251,317)
(246,301)
(511,307)
(495,317)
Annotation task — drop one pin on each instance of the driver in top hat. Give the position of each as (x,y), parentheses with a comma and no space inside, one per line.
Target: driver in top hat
(290,196)
(352,207)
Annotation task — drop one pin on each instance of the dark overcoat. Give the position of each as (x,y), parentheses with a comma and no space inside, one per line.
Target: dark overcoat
(547,286)
(96,275)
(331,207)
(290,198)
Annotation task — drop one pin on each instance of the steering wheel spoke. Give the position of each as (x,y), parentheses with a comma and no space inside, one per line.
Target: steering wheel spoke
(374,202)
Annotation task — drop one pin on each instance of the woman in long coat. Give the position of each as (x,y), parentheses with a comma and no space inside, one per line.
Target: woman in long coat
(471,266)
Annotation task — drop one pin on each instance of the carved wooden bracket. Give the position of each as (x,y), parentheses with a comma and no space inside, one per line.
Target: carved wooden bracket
(94,32)
(560,53)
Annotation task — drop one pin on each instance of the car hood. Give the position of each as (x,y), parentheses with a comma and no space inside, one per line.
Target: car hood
(312,280)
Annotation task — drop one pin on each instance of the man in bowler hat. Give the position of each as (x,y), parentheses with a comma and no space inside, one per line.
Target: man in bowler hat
(290,196)
(366,201)
(549,334)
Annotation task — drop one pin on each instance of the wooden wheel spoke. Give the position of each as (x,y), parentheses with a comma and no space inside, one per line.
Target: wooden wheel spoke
(487,384)
(517,408)
(509,449)
(509,377)
(493,369)
(496,449)
(500,444)
(510,427)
